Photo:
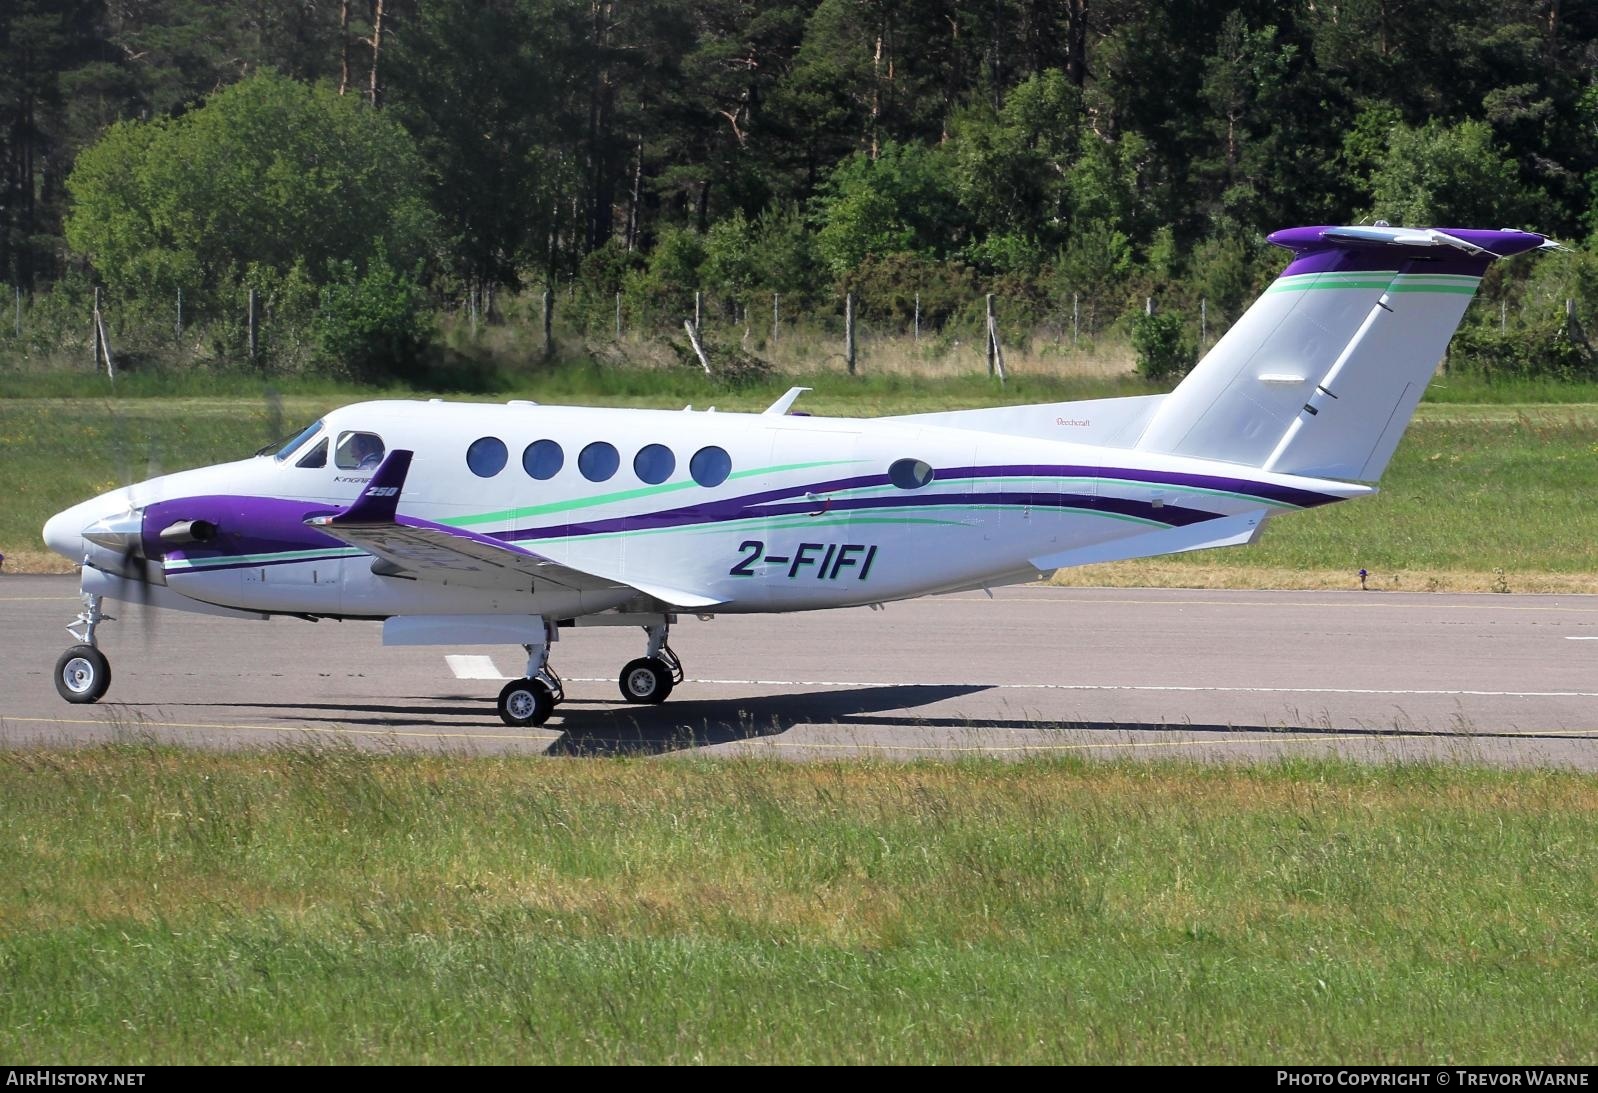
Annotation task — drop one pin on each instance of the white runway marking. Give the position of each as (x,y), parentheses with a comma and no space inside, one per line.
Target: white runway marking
(1113,687)
(1583,637)
(469,666)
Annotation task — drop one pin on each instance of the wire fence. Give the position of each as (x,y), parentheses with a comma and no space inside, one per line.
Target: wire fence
(895,331)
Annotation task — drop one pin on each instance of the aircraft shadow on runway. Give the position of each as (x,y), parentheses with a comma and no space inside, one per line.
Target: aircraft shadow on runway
(600,728)
(615,728)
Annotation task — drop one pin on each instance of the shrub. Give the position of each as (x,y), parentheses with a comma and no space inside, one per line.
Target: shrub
(373,324)
(1164,351)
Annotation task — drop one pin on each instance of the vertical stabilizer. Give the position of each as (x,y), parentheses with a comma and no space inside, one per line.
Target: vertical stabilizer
(1321,375)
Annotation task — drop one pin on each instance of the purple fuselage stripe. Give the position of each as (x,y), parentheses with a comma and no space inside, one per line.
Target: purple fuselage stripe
(267,525)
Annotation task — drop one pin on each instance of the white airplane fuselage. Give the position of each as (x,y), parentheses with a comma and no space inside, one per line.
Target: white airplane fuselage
(807,516)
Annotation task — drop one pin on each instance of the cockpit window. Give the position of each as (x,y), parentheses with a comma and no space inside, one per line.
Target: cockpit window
(358,451)
(316,457)
(281,450)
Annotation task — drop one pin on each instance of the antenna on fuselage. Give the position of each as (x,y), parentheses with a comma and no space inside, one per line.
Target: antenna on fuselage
(782,405)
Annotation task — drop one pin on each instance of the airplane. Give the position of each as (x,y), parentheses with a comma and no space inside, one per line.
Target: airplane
(474,524)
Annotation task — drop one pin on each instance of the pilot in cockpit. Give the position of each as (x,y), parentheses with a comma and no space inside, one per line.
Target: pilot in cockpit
(368,452)
(360,451)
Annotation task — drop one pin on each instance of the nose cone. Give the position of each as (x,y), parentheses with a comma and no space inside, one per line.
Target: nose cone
(66,531)
(63,533)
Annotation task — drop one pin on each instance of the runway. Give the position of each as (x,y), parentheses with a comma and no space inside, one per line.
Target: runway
(1215,676)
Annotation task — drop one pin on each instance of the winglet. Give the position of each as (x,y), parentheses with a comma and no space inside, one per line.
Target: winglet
(379,501)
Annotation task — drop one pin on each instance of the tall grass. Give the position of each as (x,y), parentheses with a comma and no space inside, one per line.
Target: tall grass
(324,905)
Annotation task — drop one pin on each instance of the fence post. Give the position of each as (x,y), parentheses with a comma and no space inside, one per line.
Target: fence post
(699,301)
(618,316)
(1204,321)
(19,311)
(549,322)
(918,319)
(96,332)
(995,350)
(848,330)
(774,326)
(471,307)
(1148,305)
(1503,315)
(179,328)
(1076,313)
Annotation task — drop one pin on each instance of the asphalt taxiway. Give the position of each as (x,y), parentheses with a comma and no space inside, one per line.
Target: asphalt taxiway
(1223,676)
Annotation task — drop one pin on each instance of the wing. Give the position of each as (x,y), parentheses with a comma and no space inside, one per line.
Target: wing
(424,551)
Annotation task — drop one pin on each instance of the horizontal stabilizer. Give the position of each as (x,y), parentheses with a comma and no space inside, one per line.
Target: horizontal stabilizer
(1223,532)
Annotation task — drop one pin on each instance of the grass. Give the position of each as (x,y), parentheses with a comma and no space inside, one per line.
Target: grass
(334,906)
(1487,496)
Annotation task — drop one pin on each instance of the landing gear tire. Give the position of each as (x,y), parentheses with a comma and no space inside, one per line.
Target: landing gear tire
(525,702)
(647,680)
(82,674)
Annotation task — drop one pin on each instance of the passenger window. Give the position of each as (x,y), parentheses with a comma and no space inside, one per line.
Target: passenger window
(316,457)
(598,461)
(910,474)
(543,459)
(486,457)
(358,451)
(654,463)
(710,466)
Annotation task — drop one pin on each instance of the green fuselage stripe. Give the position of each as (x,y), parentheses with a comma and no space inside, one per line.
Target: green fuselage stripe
(519,514)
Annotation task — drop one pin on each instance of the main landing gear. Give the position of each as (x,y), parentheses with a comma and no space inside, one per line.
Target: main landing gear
(83,674)
(647,680)
(530,700)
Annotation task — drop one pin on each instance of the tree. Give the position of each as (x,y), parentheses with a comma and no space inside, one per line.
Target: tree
(1443,174)
(901,201)
(462,79)
(1011,166)
(268,177)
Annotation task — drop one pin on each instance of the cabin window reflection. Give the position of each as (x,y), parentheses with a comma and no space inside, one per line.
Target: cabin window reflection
(710,466)
(654,463)
(358,451)
(316,457)
(543,459)
(487,456)
(599,461)
(910,474)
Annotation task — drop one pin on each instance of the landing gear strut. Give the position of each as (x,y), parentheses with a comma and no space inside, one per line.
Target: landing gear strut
(650,678)
(82,674)
(530,701)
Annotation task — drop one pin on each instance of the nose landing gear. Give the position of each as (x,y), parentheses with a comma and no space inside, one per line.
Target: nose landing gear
(83,674)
